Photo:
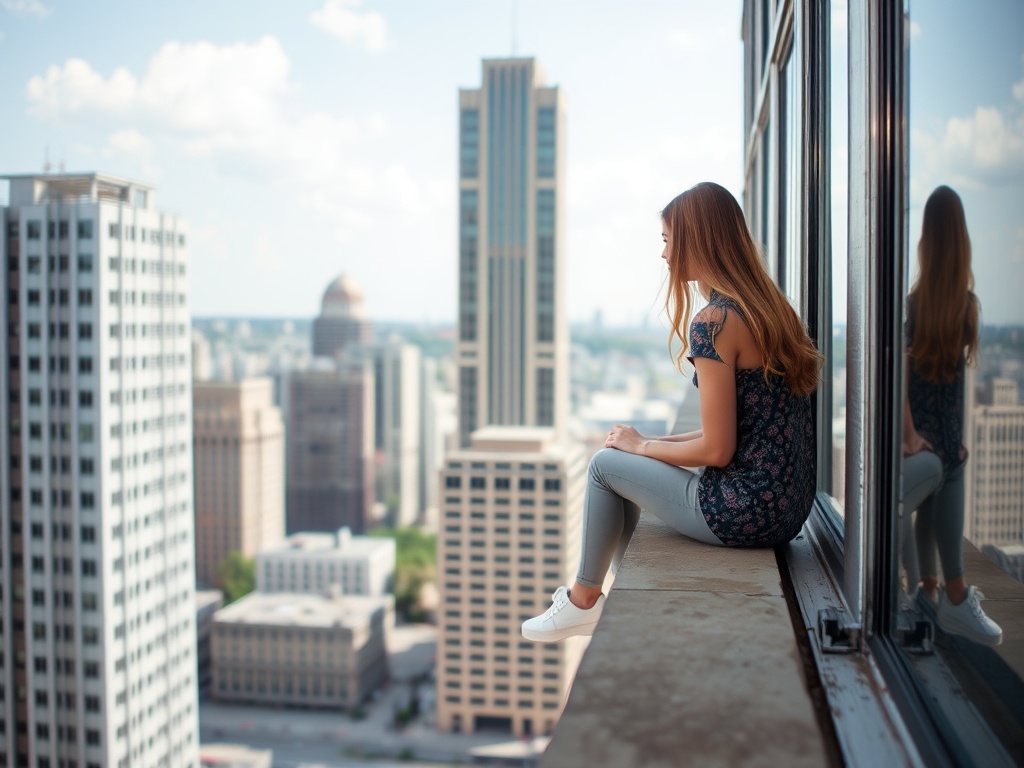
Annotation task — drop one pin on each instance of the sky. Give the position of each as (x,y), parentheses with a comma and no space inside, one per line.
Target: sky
(966,131)
(309,139)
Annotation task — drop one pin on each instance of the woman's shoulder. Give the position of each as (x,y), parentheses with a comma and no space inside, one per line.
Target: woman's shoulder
(709,323)
(718,309)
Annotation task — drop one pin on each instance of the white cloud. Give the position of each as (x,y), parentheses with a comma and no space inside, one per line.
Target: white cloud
(986,147)
(227,95)
(343,20)
(26,7)
(230,103)
(979,150)
(986,141)
(76,88)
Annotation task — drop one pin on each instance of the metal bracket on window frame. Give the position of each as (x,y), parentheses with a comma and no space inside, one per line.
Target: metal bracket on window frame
(837,632)
(915,633)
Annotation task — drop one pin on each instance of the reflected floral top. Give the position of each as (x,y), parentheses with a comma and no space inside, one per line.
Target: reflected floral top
(937,407)
(764,494)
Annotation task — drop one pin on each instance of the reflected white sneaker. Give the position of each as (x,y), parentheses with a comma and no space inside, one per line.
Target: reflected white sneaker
(967,619)
(563,619)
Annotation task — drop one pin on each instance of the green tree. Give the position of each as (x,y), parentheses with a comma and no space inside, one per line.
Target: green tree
(236,575)
(415,565)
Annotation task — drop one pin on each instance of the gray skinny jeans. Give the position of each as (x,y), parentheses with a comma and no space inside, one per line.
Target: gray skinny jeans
(939,501)
(619,485)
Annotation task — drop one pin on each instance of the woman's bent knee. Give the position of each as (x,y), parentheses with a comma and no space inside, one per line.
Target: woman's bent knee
(600,462)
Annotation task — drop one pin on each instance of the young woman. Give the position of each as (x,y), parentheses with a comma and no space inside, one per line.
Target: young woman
(756,367)
(942,339)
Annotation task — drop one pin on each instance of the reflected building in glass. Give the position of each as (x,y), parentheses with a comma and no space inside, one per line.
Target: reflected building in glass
(995,484)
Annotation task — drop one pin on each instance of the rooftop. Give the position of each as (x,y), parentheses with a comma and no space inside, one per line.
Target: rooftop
(34,188)
(301,545)
(293,609)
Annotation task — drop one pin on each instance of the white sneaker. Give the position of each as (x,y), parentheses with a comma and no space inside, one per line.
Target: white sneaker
(562,619)
(967,619)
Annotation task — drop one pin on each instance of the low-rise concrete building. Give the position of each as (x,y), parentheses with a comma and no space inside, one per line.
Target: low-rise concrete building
(301,649)
(316,562)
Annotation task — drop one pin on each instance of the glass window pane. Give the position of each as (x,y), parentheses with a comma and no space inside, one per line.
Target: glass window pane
(839,170)
(961,535)
(790,268)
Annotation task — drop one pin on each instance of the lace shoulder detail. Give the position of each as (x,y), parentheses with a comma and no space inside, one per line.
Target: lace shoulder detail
(704,328)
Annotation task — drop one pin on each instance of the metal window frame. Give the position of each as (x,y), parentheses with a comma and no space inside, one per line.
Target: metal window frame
(841,569)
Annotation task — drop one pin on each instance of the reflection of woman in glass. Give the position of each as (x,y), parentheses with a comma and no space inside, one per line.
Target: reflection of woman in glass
(942,337)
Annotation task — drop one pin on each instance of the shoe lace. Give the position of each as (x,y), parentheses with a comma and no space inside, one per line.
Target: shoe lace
(974,599)
(558,601)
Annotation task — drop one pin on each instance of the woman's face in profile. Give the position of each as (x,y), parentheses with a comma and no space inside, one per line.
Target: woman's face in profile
(666,253)
(666,237)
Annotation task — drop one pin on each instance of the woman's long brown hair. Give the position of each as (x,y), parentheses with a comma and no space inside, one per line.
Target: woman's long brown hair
(710,242)
(946,311)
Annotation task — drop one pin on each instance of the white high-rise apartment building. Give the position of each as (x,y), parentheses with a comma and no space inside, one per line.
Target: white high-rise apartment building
(397,429)
(239,471)
(98,633)
(513,343)
(995,469)
(511,517)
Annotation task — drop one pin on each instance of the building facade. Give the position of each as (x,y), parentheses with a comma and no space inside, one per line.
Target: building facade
(995,483)
(330,458)
(398,430)
(208,602)
(513,339)
(307,650)
(342,323)
(511,515)
(238,443)
(319,562)
(97,546)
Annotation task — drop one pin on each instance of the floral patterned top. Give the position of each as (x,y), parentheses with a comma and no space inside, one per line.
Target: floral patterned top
(764,494)
(937,407)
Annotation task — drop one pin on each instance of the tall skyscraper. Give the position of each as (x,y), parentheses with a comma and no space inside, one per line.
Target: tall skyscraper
(513,332)
(98,610)
(509,536)
(330,459)
(397,428)
(239,471)
(511,495)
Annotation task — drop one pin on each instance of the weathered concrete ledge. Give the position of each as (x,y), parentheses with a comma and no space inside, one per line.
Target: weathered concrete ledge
(694,663)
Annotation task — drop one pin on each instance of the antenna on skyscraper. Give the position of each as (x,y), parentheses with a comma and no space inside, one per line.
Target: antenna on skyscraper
(46,160)
(515,7)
